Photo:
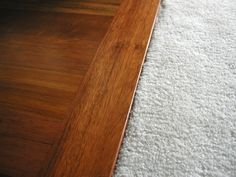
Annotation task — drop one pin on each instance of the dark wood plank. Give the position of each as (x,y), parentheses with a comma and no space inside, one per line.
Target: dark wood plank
(28,125)
(47,82)
(38,103)
(117,2)
(15,153)
(102,7)
(93,135)
(44,57)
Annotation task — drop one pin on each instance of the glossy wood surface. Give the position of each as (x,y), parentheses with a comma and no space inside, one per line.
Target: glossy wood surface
(102,7)
(91,141)
(43,59)
(67,80)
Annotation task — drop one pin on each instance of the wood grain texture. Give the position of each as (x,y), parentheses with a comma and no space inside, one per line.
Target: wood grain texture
(91,141)
(65,89)
(44,57)
(20,156)
(107,8)
(101,1)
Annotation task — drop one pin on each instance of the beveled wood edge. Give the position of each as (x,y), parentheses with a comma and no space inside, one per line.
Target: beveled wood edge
(138,77)
(72,147)
(89,8)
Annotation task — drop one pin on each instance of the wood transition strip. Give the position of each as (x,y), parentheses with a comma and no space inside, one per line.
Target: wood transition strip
(92,138)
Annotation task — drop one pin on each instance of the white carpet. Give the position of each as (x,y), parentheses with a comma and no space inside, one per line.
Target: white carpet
(183,122)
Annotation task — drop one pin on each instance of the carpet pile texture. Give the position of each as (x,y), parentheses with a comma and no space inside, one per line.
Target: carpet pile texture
(183,121)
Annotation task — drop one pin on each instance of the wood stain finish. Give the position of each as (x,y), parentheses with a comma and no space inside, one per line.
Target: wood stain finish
(67,80)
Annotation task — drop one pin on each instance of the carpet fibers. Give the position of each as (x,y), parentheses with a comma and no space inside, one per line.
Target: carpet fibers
(183,121)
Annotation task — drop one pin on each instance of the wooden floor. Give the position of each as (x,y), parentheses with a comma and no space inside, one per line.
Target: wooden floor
(68,72)
(44,57)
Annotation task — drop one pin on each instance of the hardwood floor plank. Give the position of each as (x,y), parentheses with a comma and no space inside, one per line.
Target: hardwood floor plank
(44,57)
(93,135)
(52,27)
(22,155)
(117,2)
(67,84)
(38,78)
(75,7)
(55,106)
(33,53)
(29,126)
